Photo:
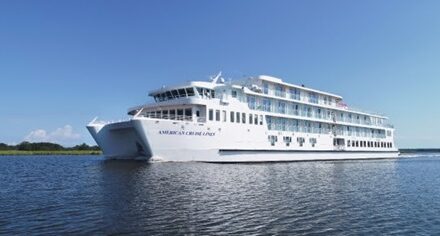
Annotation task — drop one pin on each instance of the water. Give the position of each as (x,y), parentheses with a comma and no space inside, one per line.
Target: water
(87,195)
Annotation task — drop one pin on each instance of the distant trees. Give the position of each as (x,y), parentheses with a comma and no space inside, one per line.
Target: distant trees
(4,146)
(27,146)
(46,146)
(84,146)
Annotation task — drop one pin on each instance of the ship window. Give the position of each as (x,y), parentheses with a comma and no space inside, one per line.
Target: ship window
(188,114)
(211,114)
(391,145)
(198,113)
(256,119)
(172,114)
(312,141)
(238,117)
(217,115)
(300,140)
(261,120)
(224,116)
(180,114)
(200,91)
(234,94)
(365,143)
(174,93)
(251,119)
(165,114)
(348,143)
(169,95)
(243,118)
(182,92)
(190,91)
(232,116)
(362,144)
(265,88)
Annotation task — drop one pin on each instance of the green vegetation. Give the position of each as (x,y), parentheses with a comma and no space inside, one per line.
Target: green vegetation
(413,150)
(46,148)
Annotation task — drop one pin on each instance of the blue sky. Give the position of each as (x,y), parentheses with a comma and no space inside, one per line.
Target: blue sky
(64,62)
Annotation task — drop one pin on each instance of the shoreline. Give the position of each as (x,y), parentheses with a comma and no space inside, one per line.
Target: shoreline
(48,152)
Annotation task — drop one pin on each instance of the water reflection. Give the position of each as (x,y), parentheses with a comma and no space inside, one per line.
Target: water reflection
(87,195)
(273,198)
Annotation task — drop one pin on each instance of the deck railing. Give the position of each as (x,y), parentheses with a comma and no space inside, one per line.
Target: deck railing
(173,117)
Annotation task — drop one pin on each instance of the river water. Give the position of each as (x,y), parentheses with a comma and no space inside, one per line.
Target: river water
(88,195)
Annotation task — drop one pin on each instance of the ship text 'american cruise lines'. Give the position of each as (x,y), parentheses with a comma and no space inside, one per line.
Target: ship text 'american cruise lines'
(257,119)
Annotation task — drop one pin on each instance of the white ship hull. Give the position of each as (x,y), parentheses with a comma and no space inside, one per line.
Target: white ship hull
(259,119)
(180,141)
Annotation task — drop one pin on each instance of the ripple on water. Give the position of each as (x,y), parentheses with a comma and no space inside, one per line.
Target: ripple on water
(87,195)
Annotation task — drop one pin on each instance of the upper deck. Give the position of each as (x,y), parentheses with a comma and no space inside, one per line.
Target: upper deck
(264,93)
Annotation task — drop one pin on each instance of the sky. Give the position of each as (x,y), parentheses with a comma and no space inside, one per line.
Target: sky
(62,63)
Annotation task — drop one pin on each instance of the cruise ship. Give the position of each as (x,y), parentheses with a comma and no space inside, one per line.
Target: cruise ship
(255,119)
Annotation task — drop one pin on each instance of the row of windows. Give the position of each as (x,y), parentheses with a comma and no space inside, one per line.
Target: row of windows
(294,125)
(184,92)
(376,144)
(295,93)
(288,139)
(291,108)
(235,117)
(173,94)
(171,114)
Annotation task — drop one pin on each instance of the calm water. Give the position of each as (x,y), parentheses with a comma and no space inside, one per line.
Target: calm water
(87,195)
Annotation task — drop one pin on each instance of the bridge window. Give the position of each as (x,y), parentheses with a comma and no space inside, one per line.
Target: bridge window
(182,92)
(200,91)
(175,93)
(190,91)
(169,95)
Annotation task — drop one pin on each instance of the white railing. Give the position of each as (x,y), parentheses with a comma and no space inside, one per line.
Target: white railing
(172,117)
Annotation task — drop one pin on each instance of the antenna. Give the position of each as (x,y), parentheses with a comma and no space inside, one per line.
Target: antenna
(215,79)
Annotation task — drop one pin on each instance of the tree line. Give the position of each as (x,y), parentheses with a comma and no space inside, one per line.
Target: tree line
(46,146)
